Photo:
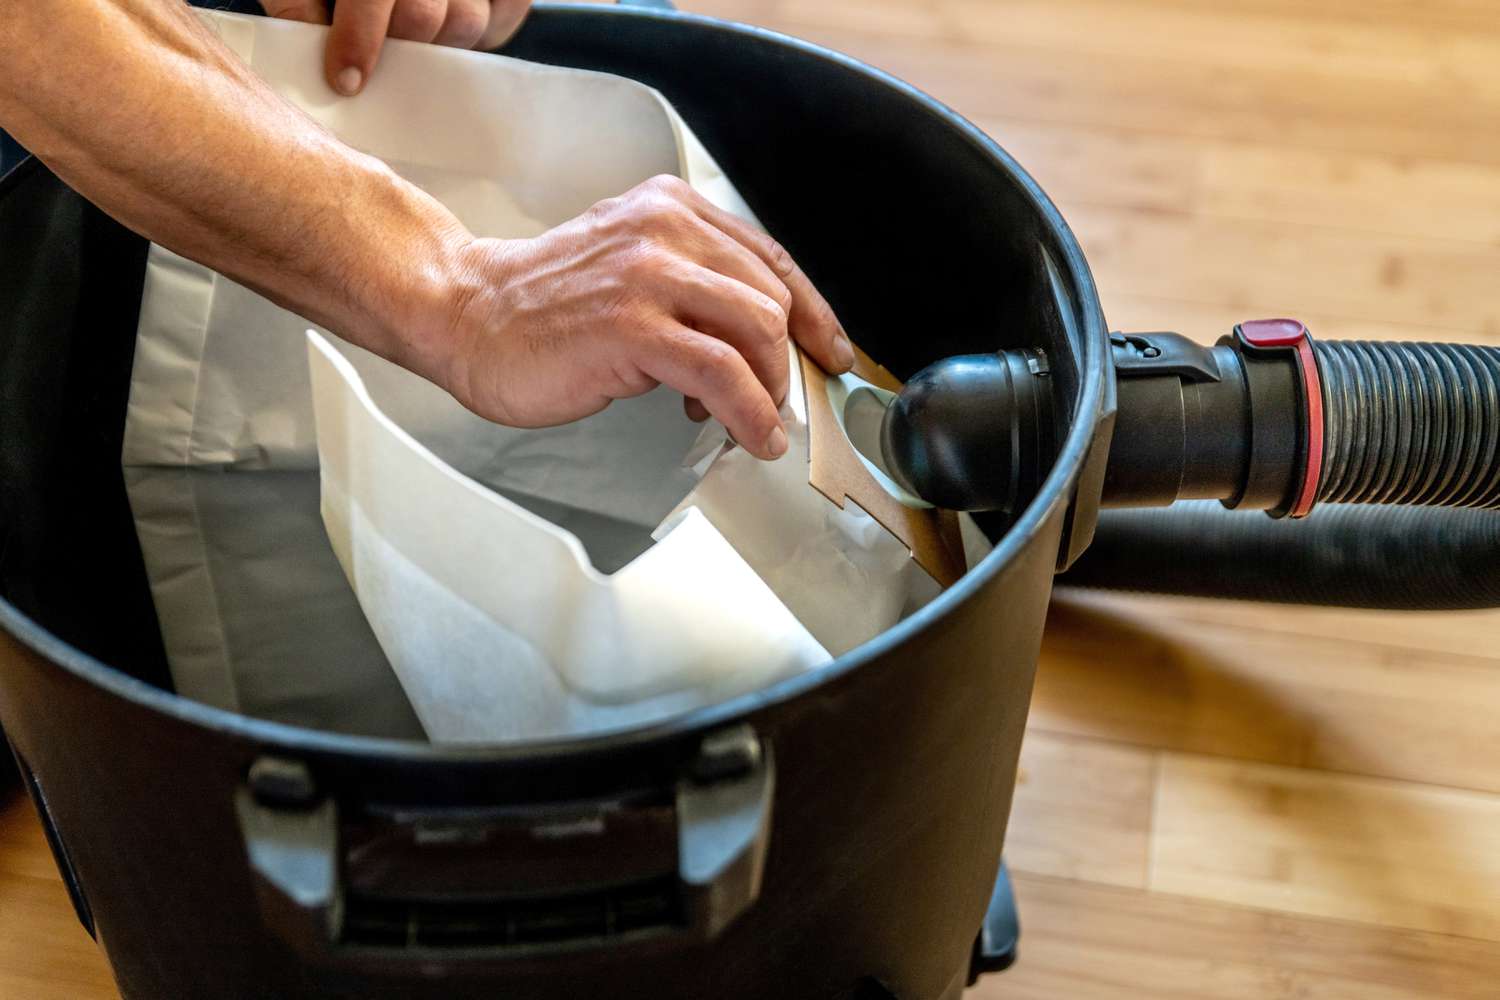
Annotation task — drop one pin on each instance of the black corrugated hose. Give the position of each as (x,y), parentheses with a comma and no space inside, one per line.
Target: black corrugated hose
(1410,424)
(1416,426)
(1410,558)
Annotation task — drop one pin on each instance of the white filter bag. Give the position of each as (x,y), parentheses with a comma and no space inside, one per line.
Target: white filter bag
(457,535)
(495,619)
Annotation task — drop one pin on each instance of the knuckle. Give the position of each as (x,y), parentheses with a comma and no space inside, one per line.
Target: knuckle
(665,211)
(714,364)
(780,260)
(607,210)
(773,318)
(648,259)
(418,19)
(668,184)
(661,197)
(684,276)
(784,299)
(466,22)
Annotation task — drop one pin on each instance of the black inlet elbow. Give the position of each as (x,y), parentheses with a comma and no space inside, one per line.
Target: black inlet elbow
(972,432)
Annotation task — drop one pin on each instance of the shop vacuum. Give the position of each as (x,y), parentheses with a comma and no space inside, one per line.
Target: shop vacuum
(836,835)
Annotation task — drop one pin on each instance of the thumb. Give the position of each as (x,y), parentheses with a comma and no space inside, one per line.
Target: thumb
(359,28)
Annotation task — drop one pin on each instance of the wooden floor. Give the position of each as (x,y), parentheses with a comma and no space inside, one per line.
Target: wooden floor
(1216,800)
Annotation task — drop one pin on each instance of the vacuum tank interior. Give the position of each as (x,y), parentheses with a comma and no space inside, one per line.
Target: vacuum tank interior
(907,232)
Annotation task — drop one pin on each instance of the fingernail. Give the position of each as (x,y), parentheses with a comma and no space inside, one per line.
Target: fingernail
(776,443)
(844,351)
(349,80)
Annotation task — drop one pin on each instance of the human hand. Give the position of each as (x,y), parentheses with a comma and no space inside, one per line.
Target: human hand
(657,286)
(360,28)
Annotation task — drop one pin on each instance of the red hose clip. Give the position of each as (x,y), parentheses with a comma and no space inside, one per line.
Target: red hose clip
(1292,335)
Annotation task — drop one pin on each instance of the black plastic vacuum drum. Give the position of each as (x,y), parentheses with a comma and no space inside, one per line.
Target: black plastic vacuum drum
(836,835)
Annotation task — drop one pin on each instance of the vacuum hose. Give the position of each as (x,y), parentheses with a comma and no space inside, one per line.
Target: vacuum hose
(1398,558)
(1410,424)
(1266,419)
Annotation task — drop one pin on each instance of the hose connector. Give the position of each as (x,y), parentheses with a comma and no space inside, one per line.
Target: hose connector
(1266,419)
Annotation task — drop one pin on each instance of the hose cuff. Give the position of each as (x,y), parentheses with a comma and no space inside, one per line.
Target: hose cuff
(1266,336)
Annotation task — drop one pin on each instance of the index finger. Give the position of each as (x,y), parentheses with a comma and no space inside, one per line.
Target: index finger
(811,322)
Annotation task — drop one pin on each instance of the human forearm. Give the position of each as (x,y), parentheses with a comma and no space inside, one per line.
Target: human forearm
(139,106)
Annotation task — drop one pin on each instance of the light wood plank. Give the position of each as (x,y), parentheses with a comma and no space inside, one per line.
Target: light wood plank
(1465,634)
(1065,76)
(1400,195)
(1082,810)
(1383,852)
(1238,256)
(1439,283)
(1257,182)
(1208,321)
(1476,18)
(44,952)
(1240,38)
(23,848)
(1087,942)
(1121,671)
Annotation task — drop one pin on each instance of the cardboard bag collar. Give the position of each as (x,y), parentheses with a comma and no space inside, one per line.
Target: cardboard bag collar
(494,620)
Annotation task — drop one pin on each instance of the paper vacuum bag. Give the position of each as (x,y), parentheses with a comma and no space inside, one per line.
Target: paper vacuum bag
(495,619)
(460,538)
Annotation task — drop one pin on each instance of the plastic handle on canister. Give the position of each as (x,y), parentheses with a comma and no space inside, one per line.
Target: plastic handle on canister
(377,884)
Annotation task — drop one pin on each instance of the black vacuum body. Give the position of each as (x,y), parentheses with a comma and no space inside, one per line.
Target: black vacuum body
(836,835)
